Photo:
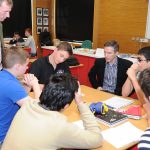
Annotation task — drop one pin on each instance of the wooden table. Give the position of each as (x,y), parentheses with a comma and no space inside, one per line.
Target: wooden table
(93,95)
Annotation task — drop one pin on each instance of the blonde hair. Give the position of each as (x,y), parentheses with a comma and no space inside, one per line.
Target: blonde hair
(14,55)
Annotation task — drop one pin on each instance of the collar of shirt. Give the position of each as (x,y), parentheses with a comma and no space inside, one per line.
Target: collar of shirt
(114,64)
(47,60)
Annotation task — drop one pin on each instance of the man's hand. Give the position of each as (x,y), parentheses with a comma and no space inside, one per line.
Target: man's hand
(30,80)
(132,71)
(135,66)
(99,88)
(78,96)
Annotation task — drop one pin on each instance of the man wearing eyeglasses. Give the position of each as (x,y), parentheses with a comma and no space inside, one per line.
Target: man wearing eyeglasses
(133,74)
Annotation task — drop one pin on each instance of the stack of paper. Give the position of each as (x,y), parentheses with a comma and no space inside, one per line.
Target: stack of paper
(122,135)
(118,102)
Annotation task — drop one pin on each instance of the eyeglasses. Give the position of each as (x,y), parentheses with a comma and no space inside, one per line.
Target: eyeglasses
(139,59)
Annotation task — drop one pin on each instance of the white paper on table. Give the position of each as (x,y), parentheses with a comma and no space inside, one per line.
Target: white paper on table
(118,102)
(122,135)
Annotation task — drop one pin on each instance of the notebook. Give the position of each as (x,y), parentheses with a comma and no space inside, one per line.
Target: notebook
(118,102)
(133,112)
(111,118)
(122,135)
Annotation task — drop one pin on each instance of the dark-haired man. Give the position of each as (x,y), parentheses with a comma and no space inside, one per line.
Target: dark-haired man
(16,38)
(133,73)
(43,126)
(144,82)
(46,66)
(109,73)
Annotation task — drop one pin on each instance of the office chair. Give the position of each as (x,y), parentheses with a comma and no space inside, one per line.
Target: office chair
(87,44)
(45,39)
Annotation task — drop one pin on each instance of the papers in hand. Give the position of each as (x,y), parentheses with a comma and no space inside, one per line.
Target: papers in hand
(118,102)
(122,135)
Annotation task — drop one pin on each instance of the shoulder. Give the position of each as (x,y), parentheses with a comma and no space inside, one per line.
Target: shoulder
(99,61)
(124,62)
(14,83)
(30,38)
(64,64)
(145,140)
(40,61)
(16,91)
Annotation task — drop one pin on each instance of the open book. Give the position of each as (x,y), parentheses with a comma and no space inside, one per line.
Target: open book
(111,118)
(122,135)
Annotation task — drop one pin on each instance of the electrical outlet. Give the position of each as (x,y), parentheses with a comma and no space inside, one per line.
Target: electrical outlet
(143,40)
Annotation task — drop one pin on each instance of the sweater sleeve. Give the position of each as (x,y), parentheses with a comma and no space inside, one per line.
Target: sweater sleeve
(74,137)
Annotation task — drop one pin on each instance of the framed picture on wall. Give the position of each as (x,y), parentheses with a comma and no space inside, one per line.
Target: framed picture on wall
(45,29)
(45,12)
(39,11)
(45,21)
(39,29)
(39,20)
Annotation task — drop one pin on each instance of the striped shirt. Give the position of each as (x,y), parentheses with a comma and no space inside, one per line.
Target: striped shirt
(110,76)
(144,143)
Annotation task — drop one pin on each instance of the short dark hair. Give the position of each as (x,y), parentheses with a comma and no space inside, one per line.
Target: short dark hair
(144,82)
(16,33)
(66,47)
(58,92)
(145,51)
(113,44)
(14,55)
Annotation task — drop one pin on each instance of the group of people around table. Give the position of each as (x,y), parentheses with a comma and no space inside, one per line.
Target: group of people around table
(17,40)
(27,123)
